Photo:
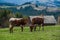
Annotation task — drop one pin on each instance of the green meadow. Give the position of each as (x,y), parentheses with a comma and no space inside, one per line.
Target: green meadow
(49,33)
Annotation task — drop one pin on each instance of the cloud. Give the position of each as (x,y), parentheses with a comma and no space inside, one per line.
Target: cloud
(58,0)
(43,0)
(46,0)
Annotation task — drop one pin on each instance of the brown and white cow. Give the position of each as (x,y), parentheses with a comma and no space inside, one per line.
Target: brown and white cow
(36,20)
(17,22)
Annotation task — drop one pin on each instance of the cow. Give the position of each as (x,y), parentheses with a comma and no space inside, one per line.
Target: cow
(17,22)
(36,21)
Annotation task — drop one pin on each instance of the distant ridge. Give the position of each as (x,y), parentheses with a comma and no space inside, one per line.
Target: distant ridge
(35,8)
(7,4)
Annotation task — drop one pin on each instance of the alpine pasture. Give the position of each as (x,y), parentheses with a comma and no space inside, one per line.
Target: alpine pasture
(49,33)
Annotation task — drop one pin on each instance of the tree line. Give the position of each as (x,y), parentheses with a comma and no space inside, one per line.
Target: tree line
(5,15)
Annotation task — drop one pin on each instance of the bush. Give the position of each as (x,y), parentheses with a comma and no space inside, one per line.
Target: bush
(18,15)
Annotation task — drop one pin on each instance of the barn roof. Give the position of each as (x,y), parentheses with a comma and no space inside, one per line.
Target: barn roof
(47,19)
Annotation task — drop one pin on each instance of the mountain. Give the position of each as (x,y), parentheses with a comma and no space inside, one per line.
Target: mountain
(35,8)
(39,3)
(57,3)
(4,3)
(7,4)
(48,3)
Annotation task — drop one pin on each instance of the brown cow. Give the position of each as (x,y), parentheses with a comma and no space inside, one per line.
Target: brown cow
(38,21)
(17,22)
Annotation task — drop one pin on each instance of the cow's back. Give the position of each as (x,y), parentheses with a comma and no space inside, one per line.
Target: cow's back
(17,21)
(37,20)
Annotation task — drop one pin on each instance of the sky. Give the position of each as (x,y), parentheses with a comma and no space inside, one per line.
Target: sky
(19,2)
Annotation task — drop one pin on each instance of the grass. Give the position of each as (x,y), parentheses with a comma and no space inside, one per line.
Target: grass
(49,33)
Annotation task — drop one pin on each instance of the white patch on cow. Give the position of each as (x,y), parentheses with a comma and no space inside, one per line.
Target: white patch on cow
(12,19)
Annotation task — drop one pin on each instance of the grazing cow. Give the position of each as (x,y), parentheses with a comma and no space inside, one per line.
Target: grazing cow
(37,20)
(17,22)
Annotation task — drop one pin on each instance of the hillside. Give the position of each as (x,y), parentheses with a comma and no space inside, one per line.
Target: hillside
(34,8)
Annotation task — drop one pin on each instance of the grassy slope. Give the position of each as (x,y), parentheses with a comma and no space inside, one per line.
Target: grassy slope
(49,33)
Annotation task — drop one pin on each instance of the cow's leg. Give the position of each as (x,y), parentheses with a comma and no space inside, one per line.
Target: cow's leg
(31,28)
(34,27)
(22,28)
(43,27)
(11,28)
(39,27)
